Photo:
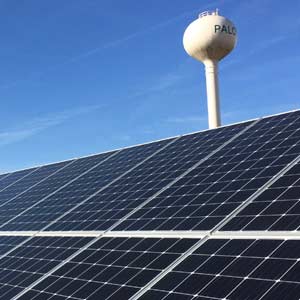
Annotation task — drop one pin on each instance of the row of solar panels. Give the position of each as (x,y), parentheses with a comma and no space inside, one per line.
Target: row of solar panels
(192,182)
(243,177)
(82,268)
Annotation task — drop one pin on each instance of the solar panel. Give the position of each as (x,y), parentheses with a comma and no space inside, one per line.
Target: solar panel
(11,178)
(234,269)
(275,209)
(31,260)
(7,243)
(11,209)
(2,176)
(144,181)
(214,189)
(208,215)
(111,268)
(38,214)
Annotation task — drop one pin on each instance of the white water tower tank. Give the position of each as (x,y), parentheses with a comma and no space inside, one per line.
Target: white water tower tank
(208,39)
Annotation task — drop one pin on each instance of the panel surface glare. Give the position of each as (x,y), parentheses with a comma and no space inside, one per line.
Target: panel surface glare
(111,268)
(44,212)
(206,195)
(276,209)
(143,182)
(30,261)
(234,270)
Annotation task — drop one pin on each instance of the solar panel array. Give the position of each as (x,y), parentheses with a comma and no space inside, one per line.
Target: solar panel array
(234,269)
(209,215)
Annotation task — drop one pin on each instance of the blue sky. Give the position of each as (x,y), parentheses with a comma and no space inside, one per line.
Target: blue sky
(85,76)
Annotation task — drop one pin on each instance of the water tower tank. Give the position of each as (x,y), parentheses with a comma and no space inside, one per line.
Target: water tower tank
(208,39)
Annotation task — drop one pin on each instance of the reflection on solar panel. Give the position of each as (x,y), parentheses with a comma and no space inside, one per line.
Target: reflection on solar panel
(209,215)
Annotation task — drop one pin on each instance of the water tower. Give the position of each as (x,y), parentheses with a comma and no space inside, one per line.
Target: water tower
(208,39)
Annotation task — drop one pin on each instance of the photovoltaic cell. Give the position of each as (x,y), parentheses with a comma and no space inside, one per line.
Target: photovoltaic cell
(143,182)
(276,209)
(234,270)
(39,214)
(11,210)
(30,261)
(111,268)
(214,189)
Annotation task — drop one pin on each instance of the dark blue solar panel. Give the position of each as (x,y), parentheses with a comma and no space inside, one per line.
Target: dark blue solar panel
(2,176)
(234,270)
(111,268)
(50,185)
(193,182)
(7,243)
(39,214)
(276,209)
(11,178)
(34,258)
(121,197)
(214,189)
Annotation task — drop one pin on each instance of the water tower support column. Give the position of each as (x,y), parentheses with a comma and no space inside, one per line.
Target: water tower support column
(212,90)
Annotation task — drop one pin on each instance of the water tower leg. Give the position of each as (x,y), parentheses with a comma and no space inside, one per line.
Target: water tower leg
(212,89)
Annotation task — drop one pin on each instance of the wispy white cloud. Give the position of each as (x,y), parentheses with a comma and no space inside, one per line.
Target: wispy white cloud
(137,34)
(113,43)
(161,84)
(31,128)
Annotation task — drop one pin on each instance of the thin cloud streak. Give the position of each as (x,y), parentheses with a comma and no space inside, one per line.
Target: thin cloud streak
(137,34)
(111,44)
(38,125)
